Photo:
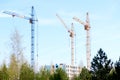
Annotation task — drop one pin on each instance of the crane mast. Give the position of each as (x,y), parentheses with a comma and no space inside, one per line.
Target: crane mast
(32,22)
(72,34)
(72,44)
(88,45)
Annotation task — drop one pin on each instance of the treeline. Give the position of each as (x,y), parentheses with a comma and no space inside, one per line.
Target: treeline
(102,68)
(25,72)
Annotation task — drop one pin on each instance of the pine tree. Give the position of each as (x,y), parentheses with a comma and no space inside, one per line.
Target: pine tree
(59,74)
(101,66)
(85,74)
(117,69)
(13,68)
(43,74)
(4,73)
(26,72)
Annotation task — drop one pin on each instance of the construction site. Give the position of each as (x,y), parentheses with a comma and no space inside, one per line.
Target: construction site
(32,20)
(64,41)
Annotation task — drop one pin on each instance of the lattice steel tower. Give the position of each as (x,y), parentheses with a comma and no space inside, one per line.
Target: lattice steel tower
(88,42)
(32,22)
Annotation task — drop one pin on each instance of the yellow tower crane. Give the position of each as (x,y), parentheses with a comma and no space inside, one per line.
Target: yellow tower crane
(87,28)
(72,34)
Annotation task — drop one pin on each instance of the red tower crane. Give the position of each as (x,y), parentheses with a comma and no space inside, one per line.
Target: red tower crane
(87,28)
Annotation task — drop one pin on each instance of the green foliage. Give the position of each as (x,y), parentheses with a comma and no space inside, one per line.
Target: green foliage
(43,75)
(101,66)
(117,69)
(13,68)
(112,75)
(59,74)
(115,72)
(85,74)
(4,73)
(26,72)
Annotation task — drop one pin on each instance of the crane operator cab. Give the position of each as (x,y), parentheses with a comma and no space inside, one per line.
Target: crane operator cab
(86,27)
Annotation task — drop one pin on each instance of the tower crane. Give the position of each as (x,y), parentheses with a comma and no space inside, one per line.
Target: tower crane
(32,22)
(87,28)
(72,34)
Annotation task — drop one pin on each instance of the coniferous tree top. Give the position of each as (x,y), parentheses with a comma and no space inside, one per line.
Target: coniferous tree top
(101,65)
